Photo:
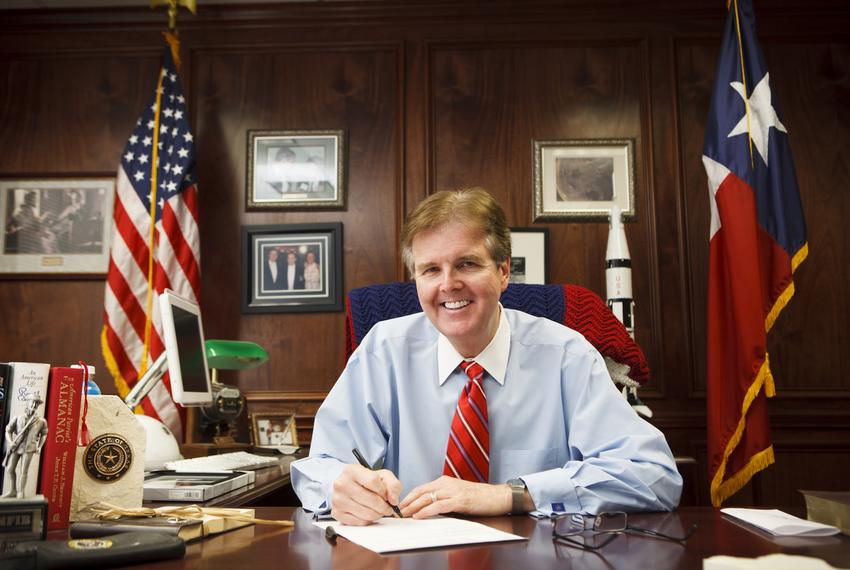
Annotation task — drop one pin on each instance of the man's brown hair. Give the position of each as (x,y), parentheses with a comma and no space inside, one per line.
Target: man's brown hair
(473,207)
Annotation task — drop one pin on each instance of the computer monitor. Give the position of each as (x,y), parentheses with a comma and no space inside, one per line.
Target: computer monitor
(183,335)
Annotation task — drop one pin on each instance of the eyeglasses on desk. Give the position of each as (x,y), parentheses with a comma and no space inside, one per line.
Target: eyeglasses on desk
(594,532)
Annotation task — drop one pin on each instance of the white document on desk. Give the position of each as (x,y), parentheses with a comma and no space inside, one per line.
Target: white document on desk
(780,523)
(392,534)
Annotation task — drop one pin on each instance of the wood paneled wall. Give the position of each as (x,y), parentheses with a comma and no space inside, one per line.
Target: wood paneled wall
(437,95)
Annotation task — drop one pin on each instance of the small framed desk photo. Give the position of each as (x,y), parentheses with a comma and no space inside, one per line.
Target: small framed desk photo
(273,429)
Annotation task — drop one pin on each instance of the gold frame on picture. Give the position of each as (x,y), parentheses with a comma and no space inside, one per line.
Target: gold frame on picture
(264,434)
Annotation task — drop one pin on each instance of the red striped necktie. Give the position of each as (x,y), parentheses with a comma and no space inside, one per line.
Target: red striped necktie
(468,449)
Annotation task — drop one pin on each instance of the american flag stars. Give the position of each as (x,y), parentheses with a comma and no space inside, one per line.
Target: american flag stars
(175,151)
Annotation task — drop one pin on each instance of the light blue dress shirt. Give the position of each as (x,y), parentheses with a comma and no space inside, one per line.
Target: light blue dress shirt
(556,419)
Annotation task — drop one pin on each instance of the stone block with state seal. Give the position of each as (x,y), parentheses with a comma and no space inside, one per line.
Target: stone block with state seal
(111,468)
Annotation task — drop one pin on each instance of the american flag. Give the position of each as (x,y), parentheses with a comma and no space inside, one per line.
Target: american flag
(758,239)
(155,247)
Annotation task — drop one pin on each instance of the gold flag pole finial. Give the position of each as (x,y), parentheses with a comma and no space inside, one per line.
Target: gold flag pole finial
(190,5)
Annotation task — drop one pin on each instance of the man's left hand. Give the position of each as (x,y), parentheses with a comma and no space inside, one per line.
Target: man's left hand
(451,495)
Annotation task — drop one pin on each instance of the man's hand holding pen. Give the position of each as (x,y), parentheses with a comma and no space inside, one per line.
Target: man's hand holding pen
(362,496)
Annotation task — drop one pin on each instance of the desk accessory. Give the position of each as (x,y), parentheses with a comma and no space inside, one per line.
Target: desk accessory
(829,507)
(119,550)
(185,529)
(189,523)
(111,466)
(22,519)
(217,419)
(779,523)
(196,487)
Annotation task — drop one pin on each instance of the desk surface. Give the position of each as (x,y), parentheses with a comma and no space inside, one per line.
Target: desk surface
(304,546)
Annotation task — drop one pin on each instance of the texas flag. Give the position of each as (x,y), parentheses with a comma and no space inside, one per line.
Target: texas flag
(758,239)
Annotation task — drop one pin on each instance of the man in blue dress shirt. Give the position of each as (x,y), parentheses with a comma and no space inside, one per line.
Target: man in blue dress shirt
(561,437)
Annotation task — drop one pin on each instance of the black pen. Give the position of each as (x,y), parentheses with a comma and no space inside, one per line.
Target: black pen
(362,461)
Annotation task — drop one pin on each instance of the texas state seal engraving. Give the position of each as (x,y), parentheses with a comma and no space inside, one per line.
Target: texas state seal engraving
(108,457)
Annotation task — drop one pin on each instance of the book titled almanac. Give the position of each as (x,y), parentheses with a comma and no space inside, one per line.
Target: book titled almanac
(64,401)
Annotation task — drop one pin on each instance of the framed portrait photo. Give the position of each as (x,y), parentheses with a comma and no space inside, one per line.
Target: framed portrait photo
(583,179)
(291,170)
(529,255)
(56,226)
(292,268)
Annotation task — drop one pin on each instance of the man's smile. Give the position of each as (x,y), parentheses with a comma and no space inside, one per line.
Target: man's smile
(454,305)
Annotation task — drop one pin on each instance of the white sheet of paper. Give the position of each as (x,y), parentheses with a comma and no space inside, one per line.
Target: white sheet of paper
(392,534)
(780,523)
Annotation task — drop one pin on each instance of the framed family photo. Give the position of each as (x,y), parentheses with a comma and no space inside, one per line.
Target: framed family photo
(583,179)
(529,255)
(290,170)
(56,226)
(292,268)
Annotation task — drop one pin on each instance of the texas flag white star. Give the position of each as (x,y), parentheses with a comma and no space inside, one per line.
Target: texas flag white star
(762,115)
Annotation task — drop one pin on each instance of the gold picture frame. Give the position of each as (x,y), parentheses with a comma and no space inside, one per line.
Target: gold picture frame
(273,429)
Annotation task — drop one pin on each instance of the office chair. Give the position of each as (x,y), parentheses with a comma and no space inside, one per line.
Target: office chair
(571,305)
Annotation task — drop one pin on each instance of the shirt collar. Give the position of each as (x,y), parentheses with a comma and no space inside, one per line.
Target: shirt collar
(494,358)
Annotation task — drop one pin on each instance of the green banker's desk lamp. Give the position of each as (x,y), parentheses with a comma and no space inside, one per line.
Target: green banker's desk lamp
(227,401)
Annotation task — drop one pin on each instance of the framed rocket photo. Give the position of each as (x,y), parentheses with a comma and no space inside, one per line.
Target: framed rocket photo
(580,180)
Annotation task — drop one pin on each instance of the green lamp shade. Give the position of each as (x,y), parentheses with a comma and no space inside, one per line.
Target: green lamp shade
(234,354)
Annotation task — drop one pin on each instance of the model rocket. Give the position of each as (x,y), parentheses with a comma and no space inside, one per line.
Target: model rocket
(618,273)
(618,285)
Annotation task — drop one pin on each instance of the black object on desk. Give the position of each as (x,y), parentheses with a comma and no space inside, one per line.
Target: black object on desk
(118,550)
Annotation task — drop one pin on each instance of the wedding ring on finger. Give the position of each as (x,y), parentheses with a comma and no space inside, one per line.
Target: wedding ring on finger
(433,495)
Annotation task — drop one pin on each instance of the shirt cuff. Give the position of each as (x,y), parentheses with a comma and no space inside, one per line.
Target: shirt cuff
(312,479)
(553,491)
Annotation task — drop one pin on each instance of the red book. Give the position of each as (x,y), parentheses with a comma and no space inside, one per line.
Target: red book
(64,398)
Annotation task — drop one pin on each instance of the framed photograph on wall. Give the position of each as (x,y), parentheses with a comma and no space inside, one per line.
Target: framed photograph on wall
(292,268)
(56,226)
(583,179)
(529,255)
(290,170)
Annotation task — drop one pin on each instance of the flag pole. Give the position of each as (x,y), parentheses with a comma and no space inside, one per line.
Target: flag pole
(172,37)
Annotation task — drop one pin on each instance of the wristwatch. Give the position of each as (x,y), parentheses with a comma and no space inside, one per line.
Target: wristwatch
(517,495)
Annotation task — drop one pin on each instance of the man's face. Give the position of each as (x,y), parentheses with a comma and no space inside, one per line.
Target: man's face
(290,259)
(459,285)
(273,255)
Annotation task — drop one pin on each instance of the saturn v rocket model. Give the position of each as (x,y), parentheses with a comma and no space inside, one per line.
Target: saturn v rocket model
(618,286)
(618,273)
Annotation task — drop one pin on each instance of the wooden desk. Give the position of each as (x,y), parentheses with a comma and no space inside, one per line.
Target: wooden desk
(305,547)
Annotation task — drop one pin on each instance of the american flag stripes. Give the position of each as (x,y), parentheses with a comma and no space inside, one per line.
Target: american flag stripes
(758,239)
(156,243)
